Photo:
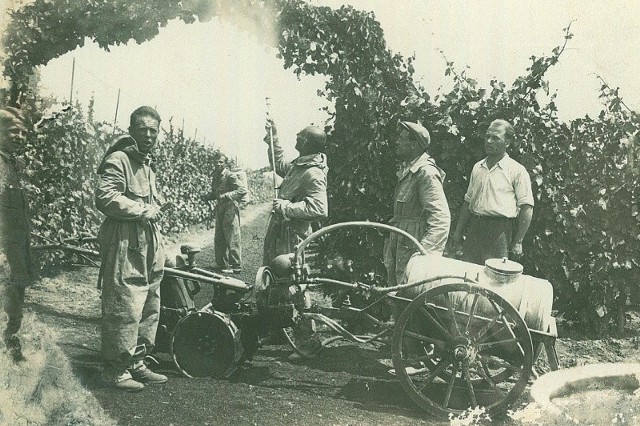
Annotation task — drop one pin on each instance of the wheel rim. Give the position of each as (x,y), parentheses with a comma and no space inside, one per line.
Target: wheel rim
(458,346)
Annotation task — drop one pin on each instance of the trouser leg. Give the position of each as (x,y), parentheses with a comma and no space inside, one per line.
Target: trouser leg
(234,239)
(13,305)
(149,322)
(219,241)
(122,307)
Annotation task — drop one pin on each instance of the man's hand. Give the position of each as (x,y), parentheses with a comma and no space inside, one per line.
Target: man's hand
(270,126)
(516,249)
(152,213)
(225,196)
(279,206)
(456,241)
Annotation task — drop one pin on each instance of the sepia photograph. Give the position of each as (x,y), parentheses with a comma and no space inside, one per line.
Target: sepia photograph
(319,212)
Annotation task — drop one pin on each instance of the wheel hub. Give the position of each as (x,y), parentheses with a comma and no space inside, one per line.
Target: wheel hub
(460,353)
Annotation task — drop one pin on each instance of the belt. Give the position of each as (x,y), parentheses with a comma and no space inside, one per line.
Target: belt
(483,217)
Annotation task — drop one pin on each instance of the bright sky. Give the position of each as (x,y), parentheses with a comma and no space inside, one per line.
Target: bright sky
(215,78)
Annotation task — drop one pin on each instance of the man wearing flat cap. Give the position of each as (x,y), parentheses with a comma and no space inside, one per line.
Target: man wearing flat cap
(14,226)
(420,206)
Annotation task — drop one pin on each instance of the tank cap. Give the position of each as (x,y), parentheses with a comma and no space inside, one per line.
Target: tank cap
(504,266)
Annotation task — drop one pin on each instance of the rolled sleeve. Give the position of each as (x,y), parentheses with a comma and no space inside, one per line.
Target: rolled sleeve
(522,188)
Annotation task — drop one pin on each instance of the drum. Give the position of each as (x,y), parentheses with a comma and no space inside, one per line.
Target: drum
(532,297)
(206,343)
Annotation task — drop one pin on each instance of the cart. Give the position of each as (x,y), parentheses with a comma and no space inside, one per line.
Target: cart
(456,341)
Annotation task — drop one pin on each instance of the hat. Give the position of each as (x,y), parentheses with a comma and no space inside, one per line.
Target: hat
(421,134)
(12,117)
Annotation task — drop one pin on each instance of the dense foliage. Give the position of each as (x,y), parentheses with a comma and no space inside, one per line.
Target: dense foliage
(584,237)
(63,156)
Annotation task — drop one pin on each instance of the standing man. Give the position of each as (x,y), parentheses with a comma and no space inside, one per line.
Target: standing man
(302,199)
(132,253)
(420,206)
(228,190)
(498,205)
(14,226)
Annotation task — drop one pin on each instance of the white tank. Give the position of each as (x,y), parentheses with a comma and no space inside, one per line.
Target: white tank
(532,297)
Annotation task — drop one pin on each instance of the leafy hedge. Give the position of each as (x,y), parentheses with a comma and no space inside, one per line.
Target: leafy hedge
(584,237)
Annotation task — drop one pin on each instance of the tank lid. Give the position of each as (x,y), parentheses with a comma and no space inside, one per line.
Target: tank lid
(503,266)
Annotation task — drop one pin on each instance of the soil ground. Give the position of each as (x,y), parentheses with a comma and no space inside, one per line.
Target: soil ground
(346,384)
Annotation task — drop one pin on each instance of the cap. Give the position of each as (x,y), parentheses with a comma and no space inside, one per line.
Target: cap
(421,134)
(12,117)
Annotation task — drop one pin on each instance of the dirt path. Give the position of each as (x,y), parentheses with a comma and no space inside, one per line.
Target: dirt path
(345,385)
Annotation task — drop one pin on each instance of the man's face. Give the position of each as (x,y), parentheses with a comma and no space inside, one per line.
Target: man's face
(220,164)
(495,144)
(145,132)
(12,139)
(301,142)
(405,146)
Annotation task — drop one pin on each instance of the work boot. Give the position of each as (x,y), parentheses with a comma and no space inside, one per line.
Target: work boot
(15,348)
(126,383)
(145,375)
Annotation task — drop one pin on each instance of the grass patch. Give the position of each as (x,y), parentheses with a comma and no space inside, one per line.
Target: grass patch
(43,389)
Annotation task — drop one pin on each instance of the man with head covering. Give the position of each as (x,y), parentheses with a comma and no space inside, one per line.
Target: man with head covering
(498,205)
(301,203)
(302,197)
(229,188)
(14,225)
(420,206)
(132,253)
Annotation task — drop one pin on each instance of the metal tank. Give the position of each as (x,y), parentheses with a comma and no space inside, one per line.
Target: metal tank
(531,297)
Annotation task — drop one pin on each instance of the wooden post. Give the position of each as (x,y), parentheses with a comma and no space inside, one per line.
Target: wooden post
(73,74)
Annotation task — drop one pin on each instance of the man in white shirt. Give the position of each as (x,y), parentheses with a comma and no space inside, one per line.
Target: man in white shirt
(498,205)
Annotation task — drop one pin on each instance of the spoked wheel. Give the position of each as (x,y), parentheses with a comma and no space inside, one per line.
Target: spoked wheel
(459,346)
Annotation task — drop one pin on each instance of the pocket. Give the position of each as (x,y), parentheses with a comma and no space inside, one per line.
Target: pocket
(404,200)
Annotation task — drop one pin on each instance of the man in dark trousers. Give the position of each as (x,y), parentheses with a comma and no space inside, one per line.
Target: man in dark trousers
(14,226)
(498,205)
(132,253)
(228,190)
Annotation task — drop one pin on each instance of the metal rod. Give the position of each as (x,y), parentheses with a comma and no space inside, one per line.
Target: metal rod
(115,118)
(224,281)
(297,260)
(273,153)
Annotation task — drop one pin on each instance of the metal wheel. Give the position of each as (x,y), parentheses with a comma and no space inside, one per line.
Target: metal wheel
(206,344)
(459,346)
(305,337)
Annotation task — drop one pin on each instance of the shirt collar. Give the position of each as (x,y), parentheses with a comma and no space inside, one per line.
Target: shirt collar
(500,163)
(414,165)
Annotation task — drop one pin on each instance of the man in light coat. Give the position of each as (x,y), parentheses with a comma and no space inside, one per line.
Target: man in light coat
(420,206)
(132,253)
(228,190)
(302,197)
